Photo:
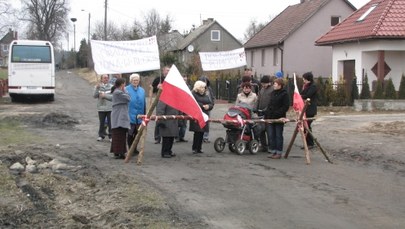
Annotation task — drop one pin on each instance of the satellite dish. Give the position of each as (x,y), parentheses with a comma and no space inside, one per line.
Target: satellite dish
(190,48)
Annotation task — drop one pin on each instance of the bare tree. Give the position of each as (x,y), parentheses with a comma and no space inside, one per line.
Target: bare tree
(114,32)
(253,28)
(7,16)
(47,19)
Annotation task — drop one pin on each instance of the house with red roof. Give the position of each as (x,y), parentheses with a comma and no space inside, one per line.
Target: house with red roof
(287,43)
(371,41)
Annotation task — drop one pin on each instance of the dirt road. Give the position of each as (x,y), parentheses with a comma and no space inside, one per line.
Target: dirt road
(364,187)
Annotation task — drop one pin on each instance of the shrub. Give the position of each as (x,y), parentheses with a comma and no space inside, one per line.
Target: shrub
(354,93)
(329,92)
(322,100)
(340,98)
(365,89)
(401,92)
(379,91)
(389,90)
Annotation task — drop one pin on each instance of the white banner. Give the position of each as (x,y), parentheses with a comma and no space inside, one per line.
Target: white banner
(211,61)
(125,56)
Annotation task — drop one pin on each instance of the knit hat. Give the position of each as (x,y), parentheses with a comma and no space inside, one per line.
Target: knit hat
(265,79)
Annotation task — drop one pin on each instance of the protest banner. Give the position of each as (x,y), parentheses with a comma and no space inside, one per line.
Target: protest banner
(111,57)
(211,61)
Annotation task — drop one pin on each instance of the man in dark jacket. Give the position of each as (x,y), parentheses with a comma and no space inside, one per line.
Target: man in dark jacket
(310,91)
(168,129)
(262,103)
(156,84)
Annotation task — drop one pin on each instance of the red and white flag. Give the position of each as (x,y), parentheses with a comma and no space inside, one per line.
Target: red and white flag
(176,94)
(298,103)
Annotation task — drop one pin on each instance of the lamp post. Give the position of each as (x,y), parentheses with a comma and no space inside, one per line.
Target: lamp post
(74,32)
(88,29)
(74,40)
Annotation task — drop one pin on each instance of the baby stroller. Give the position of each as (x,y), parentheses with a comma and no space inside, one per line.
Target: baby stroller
(239,135)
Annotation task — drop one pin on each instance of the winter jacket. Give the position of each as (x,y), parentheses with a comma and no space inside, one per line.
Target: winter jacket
(201,100)
(310,92)
(264,98)
(250,99)
(119,114)
(137,105)
(278,105)
(103,104)
(167,128)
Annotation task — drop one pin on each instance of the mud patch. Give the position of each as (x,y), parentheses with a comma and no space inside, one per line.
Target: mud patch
(390,128)
(369,157)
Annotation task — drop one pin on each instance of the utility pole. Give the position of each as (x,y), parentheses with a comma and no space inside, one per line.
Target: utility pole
(88,29)
(105,20)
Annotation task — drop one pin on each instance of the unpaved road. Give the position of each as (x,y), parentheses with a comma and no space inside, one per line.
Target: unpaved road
(363,188)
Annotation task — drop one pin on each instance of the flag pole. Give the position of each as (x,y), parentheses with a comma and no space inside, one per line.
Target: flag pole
(141,130)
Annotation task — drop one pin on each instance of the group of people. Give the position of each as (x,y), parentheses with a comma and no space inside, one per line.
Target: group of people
(119,106)
(270,100)
(166,131)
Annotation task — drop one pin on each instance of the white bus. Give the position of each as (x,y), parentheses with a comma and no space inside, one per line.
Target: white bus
(31,69)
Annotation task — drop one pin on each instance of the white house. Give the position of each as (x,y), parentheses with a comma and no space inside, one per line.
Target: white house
(370,41)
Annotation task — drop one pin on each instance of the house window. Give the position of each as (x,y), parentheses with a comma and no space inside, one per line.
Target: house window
(252,59)
(215,35)
(5,47)
(263,57)
(334,20)
(372,7)
(275,57)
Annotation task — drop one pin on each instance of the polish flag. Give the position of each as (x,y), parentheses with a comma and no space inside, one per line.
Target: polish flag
(298,103)
(176,94)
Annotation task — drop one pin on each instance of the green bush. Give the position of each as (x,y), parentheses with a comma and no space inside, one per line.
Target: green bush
(379,91)
(322,100)
(329,92)
(340,98)
(354,92)
(389,90)
(401,92)
(365,89)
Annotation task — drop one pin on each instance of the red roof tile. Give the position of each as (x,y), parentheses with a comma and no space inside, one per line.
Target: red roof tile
(386,21)
(289,20)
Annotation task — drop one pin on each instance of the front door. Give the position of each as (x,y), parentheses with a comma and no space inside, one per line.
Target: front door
(348,74)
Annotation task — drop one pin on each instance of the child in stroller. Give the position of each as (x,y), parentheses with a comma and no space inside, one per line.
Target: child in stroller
(239,133)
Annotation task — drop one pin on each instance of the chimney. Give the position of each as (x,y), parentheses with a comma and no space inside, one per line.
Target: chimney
(209,20)
(302,1)
(15,35)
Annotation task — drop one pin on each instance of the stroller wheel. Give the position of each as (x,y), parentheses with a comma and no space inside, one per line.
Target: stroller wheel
(240,146)
(219,145)
(232,147)
(253,146)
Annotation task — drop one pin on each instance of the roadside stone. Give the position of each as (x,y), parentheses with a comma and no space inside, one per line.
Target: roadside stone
(30,161)
(18,167)
(31,168)
(44,165)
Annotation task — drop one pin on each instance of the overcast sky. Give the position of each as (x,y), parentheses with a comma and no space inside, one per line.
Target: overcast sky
(233,16)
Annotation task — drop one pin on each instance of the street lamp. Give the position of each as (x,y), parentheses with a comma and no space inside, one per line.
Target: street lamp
(74,32)
(88,29)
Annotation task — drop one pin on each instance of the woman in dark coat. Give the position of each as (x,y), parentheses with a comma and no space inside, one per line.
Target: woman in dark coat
(206,104)
(119,119)
(168,129)
(277,109)
(310,91)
